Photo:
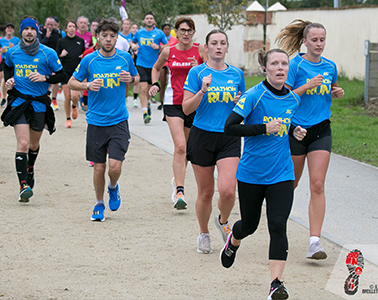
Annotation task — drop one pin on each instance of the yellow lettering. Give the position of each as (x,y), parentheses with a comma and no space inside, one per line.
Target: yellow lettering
(324,89)
(213,97)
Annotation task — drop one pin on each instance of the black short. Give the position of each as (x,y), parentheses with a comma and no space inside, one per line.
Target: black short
(176,111)
(37,124)
(2,64)
(85,100)
(144,74)
(68,76)
(113,139)
(205,148)
(318,137)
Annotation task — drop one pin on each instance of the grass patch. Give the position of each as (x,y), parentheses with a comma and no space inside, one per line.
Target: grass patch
(354,124)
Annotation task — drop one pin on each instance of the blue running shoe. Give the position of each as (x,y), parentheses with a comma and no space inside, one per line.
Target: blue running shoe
(25,193)
(114,198)
(98,213)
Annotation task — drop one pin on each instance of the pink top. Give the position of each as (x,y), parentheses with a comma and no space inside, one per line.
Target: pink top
(87,37)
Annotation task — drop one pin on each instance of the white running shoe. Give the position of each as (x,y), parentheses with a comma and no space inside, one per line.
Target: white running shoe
(223,228)
(204,243)
(135,103)
(316,251)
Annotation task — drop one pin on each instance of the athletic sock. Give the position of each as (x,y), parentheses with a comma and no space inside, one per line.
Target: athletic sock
(314,239)
(135,96)
(112,187)
(180,189)
(21,167)
(73,106)
(68,119)
(32,156)
(53,98)
(100,202)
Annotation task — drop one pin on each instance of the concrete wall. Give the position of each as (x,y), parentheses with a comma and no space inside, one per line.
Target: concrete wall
(347,29)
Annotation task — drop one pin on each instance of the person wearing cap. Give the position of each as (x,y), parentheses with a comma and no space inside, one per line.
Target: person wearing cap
(50,36)
(56,26)
(28,72)
(147,42)
(8,41)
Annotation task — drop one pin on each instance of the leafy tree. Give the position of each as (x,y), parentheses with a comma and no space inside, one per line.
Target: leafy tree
(223,13)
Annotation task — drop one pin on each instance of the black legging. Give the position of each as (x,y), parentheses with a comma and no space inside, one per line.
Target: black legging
(279,200)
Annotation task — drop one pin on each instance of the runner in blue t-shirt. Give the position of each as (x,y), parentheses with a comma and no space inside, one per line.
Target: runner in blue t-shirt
(7,42)
(265,170)
(107,71)
(212,89)
(314,79)
(28,73)
(125,33)
(147,42)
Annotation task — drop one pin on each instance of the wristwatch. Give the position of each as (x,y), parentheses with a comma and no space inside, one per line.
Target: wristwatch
(132,79)
(88,86)
(47,77)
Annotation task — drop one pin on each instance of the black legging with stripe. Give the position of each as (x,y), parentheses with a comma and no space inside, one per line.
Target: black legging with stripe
(279,200)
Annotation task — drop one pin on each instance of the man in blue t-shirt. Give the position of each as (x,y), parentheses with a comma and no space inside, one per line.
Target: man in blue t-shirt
(147,41)
(28,73)
(8,41)
(107,72)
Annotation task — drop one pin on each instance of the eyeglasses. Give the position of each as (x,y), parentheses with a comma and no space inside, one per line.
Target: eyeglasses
(188,31)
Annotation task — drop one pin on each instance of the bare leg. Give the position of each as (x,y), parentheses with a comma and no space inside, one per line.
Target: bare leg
(99,180)
(205,184)
(226,186)
(115,170)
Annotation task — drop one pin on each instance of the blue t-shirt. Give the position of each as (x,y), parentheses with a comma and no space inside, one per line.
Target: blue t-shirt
(316,103)
(147,56)
(266,157)
(4,43)
(127,37)
(106,107)
(45,62)
(217,103)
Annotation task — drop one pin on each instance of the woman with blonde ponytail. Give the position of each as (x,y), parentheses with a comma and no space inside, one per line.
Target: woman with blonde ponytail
(314,78)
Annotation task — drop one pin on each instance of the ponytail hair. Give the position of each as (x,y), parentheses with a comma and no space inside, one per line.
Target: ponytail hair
(291,37)
(264,57)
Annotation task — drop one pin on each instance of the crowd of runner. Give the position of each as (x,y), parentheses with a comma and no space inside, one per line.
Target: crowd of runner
(284,119)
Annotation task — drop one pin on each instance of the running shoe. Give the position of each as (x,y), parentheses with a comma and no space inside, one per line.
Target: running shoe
(25,193)
(277,291)
(228,253)
(146,118)
(160,107)
(316,251)
(3,102)
(68,124)
(91,164)
(149,108)
(114,198)
(98,213)
(135,103)
(30,177)
(75,112)
(223,228)
(180,201)
(204,243)
(153,100)
(54,105)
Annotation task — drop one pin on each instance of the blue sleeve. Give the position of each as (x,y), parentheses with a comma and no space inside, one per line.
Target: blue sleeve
(163,39)
(135,38)
(245,105)
(335,76)
(8,61)
(81,71)
(193,83)
(242,82)
(292,75)
(54,62)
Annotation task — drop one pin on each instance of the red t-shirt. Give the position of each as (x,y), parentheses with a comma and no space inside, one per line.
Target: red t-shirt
(179,65)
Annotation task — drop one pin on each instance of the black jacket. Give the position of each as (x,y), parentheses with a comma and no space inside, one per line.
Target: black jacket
(51,41)
(10,116)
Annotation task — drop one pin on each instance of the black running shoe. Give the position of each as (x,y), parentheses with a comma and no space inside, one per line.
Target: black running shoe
(228,253)
(3,102)
(149,108)
(160,107)
(30,177)
(277,291)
